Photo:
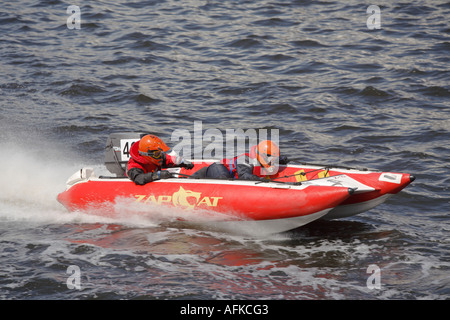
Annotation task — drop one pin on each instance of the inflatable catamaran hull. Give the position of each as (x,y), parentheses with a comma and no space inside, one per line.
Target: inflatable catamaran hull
(298,193)
(268,207)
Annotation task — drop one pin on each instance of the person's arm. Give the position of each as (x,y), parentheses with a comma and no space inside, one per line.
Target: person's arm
(245,172)
(139,177)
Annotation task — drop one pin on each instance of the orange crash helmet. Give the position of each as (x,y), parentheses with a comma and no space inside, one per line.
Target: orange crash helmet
(152,148)
(267,154)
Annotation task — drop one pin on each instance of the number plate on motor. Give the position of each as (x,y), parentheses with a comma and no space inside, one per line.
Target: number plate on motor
(125,146)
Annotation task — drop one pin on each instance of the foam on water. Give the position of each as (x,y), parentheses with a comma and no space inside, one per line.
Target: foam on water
(31,180)
(29,184)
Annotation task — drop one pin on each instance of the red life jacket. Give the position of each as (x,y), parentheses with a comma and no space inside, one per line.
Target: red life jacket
(250,158)
(138,161)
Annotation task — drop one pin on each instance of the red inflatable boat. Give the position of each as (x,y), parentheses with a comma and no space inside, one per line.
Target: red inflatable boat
(268,207)
(294,196)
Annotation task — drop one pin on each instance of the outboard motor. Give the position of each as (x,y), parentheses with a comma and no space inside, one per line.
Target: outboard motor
(117,151)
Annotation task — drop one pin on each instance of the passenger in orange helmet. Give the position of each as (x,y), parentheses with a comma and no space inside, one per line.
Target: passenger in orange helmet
(263,159)
(148,156)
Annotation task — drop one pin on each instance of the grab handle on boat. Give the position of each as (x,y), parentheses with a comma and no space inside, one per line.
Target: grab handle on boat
(256,182)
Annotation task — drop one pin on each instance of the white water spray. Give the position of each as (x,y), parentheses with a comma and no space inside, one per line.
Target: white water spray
(29,183)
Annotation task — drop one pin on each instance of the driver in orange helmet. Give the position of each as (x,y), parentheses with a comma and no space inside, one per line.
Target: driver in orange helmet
(263,159)
(148,156)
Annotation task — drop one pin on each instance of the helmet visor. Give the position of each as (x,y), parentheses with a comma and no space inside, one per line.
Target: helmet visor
(272,160)
(269,161)
(155,154)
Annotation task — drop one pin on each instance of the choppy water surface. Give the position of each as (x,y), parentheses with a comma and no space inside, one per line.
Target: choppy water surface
(338,92)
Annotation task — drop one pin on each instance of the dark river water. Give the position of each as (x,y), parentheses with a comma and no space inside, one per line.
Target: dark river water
(338,90)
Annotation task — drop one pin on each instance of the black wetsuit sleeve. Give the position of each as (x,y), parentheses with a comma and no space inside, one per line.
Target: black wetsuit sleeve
(139,177)
(245,172)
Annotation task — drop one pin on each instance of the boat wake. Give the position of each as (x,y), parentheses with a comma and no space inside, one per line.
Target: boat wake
(30,184)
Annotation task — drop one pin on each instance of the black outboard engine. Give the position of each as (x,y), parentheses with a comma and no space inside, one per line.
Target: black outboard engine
(117,151)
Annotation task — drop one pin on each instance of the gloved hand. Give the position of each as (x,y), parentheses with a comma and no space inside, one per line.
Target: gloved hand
(145,178)
(186,164)
(164,174)
(283,160)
